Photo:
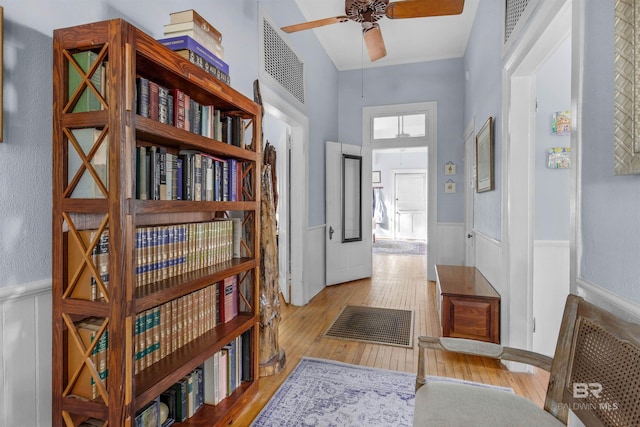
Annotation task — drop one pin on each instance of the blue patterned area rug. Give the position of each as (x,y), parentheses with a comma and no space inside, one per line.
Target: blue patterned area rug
(321,392)
(399,247)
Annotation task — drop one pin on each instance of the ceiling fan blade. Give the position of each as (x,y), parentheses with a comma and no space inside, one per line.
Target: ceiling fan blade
(375,43)
(314,24)
(424,8)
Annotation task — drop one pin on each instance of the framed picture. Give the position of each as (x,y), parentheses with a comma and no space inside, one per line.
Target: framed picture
(484,157)
(376,177)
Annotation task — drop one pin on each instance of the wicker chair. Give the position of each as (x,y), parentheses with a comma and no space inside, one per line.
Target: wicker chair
(595,372)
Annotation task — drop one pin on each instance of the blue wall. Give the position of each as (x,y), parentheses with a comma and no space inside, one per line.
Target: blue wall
(483,98)
(610,207)
(440,81)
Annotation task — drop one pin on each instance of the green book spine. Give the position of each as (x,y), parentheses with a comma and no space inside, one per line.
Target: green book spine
(88,101)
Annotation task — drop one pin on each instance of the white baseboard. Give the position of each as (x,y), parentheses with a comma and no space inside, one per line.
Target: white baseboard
(25,354)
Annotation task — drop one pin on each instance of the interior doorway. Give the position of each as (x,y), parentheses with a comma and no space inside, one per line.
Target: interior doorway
(290,130)
(549,27)
(401,182)
(410,202)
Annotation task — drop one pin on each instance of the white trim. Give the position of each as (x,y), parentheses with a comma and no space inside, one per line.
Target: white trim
(470,129)
(608,300)
(432,145)
(279,107)
(577,83)
(552,243)
(468,187)
(547,24)
(28,290)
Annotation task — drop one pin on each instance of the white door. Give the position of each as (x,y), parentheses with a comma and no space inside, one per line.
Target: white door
(410,205)
(351,259)
(469,190)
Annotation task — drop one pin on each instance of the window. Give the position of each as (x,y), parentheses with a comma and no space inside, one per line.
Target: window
(412,125)
(400,125)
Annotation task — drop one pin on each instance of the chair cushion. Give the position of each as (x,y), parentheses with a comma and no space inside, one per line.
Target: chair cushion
(451,404)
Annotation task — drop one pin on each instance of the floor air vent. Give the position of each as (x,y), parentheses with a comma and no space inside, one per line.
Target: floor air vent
(282,63)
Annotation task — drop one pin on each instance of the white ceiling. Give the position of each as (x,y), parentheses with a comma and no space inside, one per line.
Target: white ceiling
(407,40)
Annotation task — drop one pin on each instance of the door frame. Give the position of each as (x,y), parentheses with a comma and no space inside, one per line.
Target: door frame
(396,172)
(431,142)
(547,26)
(469,188)
(299,123)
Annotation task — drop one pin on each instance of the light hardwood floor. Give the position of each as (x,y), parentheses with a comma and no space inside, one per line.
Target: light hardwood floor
(397,282)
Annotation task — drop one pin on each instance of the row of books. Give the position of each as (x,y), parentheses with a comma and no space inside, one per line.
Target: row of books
(83,383)
(164,329)
(186,175)
(162,251)
(227,369)
(191,23)
(165,251)
(159,332)
(211,382)
(197,54)
(192,36)
(177,108)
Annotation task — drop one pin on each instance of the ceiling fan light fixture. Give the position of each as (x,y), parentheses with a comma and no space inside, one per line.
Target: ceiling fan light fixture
(375,43)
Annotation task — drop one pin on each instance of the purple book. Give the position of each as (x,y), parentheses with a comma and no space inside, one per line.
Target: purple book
(186,42)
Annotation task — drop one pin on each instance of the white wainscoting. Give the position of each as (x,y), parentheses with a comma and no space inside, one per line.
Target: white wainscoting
(551,285)
(450,243)
(314,275)
(489,261)
(25,355)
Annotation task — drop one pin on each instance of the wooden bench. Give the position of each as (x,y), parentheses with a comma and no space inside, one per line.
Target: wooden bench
(469,306)
(595,373)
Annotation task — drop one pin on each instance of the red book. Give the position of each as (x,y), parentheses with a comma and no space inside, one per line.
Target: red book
(229,299)
(178,108)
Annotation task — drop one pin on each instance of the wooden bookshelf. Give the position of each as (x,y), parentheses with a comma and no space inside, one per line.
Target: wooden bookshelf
(94,188)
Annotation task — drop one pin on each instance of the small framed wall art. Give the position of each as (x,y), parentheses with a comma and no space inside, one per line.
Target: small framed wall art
(484,158)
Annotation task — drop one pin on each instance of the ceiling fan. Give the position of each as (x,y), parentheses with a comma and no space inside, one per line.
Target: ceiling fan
(368,12)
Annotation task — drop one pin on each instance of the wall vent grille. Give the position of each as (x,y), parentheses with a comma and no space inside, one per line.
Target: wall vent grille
(514,11)
(281,63)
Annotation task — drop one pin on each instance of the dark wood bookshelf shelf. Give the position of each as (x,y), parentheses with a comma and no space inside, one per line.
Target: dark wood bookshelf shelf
(179,206)
(157,293)
(154,132)
(161,375)
(96,222)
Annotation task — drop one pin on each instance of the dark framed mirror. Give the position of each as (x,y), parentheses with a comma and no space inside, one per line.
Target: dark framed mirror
(351,198)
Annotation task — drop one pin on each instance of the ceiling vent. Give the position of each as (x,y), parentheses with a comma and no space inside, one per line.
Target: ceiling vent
(515,9)
(280,62)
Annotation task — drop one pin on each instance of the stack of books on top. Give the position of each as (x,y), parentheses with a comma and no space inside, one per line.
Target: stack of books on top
(195,39)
